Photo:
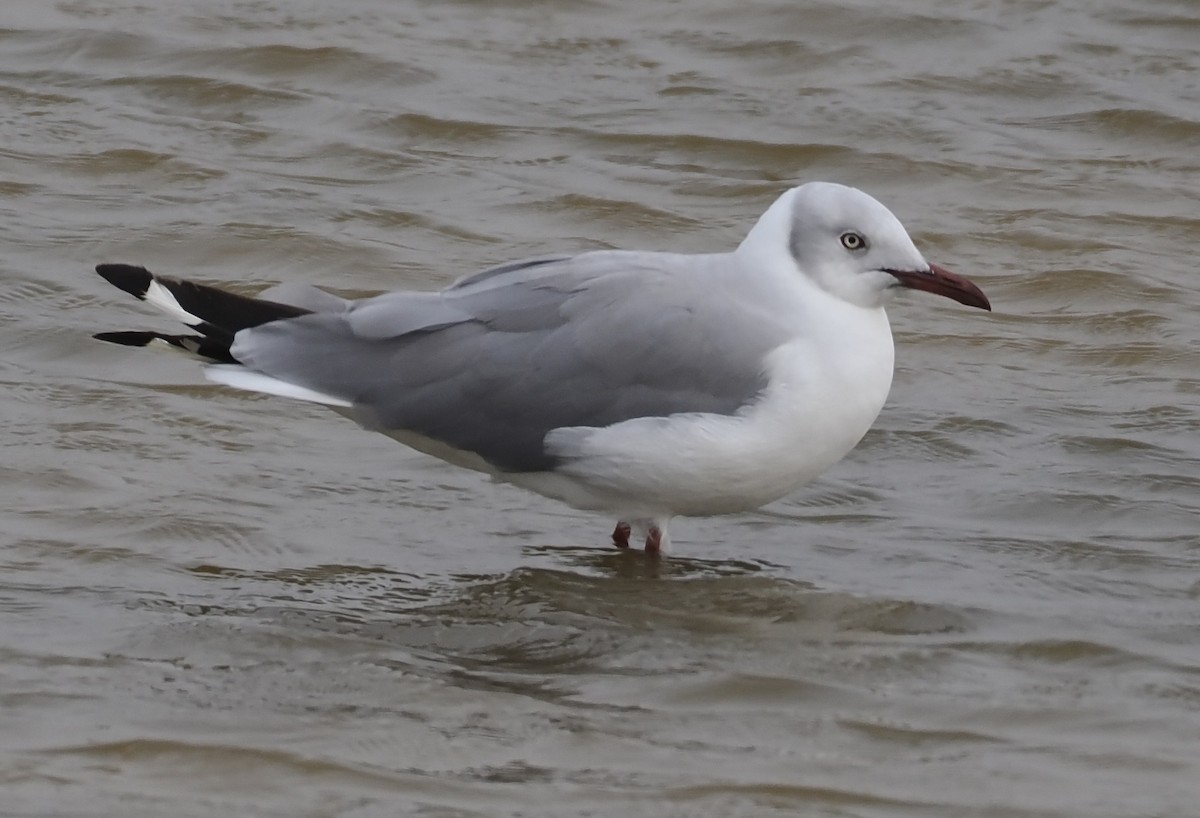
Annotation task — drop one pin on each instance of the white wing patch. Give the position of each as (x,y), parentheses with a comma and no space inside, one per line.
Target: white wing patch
(241,378)
(161,297)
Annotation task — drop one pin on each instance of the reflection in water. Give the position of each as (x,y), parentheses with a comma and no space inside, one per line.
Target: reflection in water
(558,620)
(636,564)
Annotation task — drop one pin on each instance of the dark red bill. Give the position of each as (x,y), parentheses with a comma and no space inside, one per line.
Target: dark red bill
(940,281)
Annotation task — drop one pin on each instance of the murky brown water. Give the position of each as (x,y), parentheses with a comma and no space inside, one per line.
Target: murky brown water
(218,604)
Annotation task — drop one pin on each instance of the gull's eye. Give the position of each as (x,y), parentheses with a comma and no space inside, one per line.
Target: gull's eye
(853,241)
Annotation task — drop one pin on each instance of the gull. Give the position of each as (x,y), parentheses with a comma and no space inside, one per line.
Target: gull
(645,385)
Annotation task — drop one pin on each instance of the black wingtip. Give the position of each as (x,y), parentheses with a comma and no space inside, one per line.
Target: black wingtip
(214,349)
(133,280)
(128,339)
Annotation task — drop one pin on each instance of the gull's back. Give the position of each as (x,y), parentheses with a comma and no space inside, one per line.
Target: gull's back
(497,360)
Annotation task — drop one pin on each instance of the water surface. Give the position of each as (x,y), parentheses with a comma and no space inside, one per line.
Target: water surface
(215,603)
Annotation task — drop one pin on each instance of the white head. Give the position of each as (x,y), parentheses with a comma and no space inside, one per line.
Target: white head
(852,247)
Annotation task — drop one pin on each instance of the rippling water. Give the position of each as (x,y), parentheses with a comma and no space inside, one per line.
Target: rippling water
(219,604)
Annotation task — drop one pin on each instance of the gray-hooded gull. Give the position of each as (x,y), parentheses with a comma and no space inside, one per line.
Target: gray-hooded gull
(645,385)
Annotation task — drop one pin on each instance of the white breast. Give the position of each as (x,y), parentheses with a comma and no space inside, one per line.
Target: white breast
(825,390)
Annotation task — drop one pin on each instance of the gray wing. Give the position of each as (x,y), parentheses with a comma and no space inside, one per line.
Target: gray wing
(497,360)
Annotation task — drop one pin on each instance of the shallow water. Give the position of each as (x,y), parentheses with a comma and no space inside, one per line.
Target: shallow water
(215,603)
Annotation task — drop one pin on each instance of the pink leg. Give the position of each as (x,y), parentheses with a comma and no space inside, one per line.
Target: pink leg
(654,540)
(621,534)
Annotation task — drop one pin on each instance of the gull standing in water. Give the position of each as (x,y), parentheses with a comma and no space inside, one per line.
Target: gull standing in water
(645,385)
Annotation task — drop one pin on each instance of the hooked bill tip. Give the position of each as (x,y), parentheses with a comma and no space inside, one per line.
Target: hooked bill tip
(940,281)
